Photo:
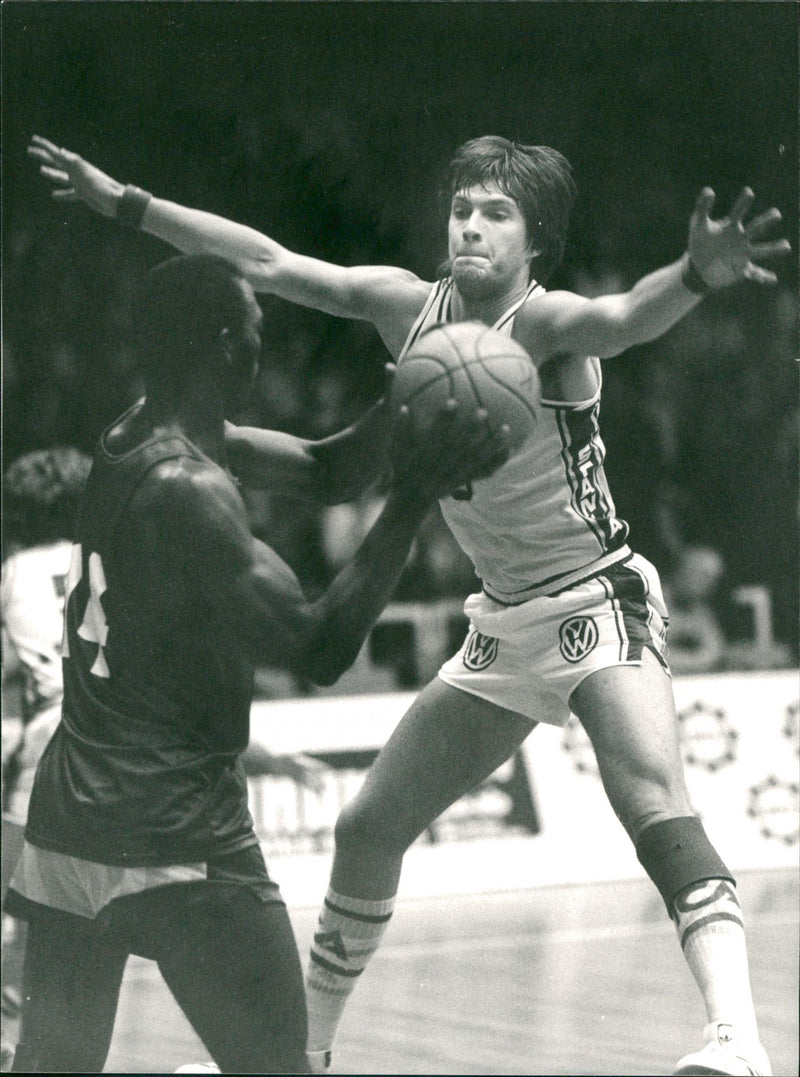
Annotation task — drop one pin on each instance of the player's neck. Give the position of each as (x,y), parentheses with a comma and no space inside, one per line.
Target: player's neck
(197,416)
(486,309)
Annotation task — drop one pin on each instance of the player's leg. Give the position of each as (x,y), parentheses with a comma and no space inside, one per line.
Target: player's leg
(71,984)
(446,744)
(13,948)
(629,715)
(230,959)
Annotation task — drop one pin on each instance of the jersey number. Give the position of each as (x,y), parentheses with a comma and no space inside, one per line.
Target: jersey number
(93,627)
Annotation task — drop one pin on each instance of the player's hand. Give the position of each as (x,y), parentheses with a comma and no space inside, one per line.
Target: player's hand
(457,449)
(75,180)
(304,770)
(728,250)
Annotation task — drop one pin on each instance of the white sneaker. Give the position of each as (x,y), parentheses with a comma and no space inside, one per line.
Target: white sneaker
(319,1061)
(725,1055)
(199,1067)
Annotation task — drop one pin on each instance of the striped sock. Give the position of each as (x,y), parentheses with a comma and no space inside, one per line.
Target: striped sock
(708,918)
(348,934)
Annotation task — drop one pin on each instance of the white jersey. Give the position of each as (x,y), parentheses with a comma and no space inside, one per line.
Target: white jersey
(32,599)
(545,520)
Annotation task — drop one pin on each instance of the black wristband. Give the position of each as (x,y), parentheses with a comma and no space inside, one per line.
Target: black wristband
(691,278)
(131,206)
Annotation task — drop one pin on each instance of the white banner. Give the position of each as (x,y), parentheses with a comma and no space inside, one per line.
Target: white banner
(739,734)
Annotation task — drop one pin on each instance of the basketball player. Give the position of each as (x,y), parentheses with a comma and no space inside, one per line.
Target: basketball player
(40,500)
(568,616)
(138,837)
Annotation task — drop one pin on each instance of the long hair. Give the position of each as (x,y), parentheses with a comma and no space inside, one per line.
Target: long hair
(538,178)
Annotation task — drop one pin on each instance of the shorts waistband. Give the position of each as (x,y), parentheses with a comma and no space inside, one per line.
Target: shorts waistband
(560,583)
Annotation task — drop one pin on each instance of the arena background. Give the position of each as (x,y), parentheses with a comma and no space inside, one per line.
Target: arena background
(326,125)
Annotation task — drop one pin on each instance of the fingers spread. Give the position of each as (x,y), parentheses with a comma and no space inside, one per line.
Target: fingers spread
(760,224)
(704,204)
(741,206)
(758,251)
(760,276)
(54,174)
(37,140)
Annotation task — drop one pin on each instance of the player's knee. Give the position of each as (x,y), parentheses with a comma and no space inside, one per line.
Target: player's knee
(676,854)
(362,828)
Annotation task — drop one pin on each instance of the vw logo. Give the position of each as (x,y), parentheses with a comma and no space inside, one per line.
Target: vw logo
(578,637)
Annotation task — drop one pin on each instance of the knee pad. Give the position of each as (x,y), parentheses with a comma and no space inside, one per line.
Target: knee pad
(676,853)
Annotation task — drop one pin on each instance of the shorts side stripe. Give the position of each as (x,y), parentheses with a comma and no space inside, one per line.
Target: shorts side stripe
(619,617)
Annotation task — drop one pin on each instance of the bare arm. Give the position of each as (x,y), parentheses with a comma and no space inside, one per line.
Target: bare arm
(328,471)
(719,253)
(255,597)
(376,294)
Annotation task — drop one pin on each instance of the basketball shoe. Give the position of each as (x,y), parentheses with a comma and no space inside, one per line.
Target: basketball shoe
(319,1061)
(723,1054)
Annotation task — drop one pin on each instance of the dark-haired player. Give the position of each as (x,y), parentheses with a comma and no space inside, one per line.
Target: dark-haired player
(138,837)
(568,616)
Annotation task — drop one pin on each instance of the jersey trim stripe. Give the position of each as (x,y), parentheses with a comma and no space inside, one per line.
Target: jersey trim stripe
(441,291)
(554,585)
(578,451)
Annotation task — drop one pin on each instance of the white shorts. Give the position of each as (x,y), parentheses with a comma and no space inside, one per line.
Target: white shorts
(530,658)
(36,736)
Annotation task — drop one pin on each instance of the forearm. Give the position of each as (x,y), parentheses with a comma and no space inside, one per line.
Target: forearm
(328,472)
(195,231)
(352,460)
(659,300)
(354,600)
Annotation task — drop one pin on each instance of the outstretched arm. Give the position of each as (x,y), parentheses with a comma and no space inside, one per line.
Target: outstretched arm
(719,253)
(369,293)
(329,471)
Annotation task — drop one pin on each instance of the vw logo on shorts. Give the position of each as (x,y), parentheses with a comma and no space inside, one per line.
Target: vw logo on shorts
(579,637)
(479,650)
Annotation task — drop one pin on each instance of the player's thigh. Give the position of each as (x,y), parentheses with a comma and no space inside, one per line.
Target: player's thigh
(445,745)
(231,961)
(71,983)
(628,713)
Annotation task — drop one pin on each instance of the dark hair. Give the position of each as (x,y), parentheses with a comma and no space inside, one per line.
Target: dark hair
(538,178)
(41,492)
(186,303)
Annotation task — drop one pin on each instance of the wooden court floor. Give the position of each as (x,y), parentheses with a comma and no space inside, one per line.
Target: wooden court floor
(583,979)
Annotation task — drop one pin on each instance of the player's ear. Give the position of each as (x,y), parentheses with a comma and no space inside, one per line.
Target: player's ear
(226,345)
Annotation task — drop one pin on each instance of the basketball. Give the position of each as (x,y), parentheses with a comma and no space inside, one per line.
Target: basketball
(478,368)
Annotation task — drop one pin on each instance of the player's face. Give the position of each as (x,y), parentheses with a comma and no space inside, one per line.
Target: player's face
(488,242)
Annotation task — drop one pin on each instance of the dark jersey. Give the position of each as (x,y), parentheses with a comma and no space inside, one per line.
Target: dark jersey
(144,767)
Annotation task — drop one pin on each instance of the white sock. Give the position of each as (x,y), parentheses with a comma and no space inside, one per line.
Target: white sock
(711,932)
(348,933)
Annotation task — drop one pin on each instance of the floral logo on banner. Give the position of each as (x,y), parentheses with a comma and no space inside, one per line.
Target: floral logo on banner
(774,804)
(578,747)
(707,736)
(789,729)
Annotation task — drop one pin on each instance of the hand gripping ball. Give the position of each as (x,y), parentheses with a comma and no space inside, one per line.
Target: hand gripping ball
(478,368)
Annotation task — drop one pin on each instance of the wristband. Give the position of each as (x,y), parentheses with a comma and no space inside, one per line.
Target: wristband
(691,278)
(131,206)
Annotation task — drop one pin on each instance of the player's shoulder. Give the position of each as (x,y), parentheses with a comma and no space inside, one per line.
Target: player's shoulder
(542,305)
(541,316)
(189,488)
